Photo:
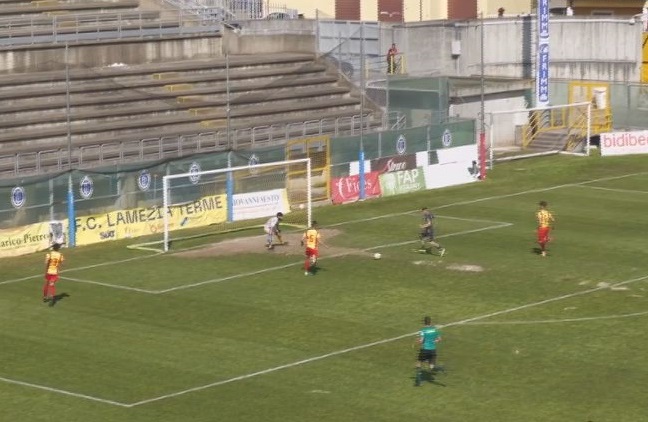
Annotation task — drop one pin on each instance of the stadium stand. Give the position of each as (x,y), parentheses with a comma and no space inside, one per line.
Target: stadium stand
(120,107)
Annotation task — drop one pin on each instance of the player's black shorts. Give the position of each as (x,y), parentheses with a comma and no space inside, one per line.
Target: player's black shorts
(427,356)
(427,233)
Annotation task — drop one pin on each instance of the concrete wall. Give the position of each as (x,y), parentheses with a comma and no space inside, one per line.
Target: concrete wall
(603,49)
(272,36)
(52,57)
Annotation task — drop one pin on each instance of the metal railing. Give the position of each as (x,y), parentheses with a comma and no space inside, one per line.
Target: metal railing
(155,149)
(101,26)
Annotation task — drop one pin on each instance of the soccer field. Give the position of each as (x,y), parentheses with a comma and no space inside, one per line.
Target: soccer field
(220,329)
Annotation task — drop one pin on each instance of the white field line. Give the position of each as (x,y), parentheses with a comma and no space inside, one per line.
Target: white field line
(614,189)
(557,321)
(294,264)
(87,267)
(472,201)
(63,392)
(566,185)
(113,286)
(379,342)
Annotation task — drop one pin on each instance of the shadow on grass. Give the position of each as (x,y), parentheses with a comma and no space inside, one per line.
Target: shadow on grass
(59,297)
(430,377)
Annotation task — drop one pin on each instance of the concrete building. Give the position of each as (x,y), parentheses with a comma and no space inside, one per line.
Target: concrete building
(415,10)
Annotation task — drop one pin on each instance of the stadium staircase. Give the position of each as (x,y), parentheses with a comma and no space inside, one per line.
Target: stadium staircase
(549,140)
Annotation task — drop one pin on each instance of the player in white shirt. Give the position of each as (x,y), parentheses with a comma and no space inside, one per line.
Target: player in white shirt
(271,227)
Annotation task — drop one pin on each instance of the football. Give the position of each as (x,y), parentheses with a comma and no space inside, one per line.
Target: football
(377,255)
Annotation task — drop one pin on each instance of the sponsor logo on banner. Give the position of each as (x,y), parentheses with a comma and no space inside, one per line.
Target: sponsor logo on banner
(623,143)
(543,13)
(137,222)
(446,138)
(194,170)
(542,70)
(395,163)
(86,187)
(144,180)
(253,162)
(401,182)
(24,240)
(18,197)
(347,189)
(260,204)
(401,145)
(543,73)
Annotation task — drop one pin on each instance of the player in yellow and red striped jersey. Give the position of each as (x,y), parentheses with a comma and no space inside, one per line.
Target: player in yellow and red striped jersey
(53,261)
(312,240)
(545,219)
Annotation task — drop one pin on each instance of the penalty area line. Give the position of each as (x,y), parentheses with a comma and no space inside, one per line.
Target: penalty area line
(466,321)
(112,286)
(63,392)
(559,321)
(613,189)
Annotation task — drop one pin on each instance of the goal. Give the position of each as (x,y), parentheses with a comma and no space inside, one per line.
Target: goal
(523,133)
(236,198)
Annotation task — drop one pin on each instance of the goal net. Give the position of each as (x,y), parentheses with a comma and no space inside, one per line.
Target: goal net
(522,133)
(198,204)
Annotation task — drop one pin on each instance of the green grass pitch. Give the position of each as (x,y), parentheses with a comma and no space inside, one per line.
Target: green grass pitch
(145,337)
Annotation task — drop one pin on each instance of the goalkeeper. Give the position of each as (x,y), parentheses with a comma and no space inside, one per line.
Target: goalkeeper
(428,241)
(271,228)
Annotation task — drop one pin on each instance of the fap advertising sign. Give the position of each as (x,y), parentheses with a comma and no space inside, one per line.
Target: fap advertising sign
(624,143)
(347,189)
(400,182)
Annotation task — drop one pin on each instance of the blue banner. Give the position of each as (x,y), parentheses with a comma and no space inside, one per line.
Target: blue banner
(542,57)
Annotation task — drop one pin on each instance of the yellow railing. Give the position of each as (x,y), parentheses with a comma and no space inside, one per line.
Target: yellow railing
(572,119)
(544,121)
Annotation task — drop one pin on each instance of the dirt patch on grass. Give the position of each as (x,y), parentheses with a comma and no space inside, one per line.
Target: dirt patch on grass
(256,244)
(466,268)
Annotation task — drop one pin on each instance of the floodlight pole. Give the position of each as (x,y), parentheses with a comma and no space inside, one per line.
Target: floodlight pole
(230,176)
(228,110)
(361,159)
(70,192)
(482,101)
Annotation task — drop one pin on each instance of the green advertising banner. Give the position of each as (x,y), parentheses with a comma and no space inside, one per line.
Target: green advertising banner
(399,182)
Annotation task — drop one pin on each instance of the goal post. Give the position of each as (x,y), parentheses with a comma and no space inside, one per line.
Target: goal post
(529,132)
(236,198)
